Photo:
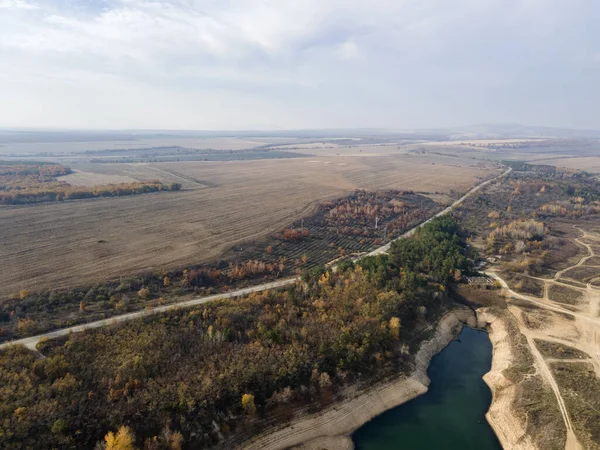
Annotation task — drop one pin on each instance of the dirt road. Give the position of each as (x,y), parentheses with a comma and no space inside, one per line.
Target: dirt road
(386,248)
(32,341)
(581,331)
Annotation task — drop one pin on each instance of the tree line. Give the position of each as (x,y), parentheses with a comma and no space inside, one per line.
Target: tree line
(201,377)
(29,312)
(38,183)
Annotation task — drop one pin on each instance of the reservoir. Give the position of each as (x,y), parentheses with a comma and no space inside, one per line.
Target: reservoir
(451,415)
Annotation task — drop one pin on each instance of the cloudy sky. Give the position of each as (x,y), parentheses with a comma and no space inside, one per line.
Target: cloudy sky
(279,64)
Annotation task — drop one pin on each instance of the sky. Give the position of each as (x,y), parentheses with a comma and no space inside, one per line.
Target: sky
(290,64)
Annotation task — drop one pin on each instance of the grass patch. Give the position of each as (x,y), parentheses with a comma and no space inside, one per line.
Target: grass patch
(572,282)
(536,320)
(593,261)
(562,294)
(580,388)
(583,274)
(534,403)
(559,351)
(524,284)
(479,297)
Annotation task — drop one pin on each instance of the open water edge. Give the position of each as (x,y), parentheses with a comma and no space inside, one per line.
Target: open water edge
(451,415)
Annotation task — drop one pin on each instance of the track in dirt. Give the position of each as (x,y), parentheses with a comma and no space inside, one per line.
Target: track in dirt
(62,245)
(31,342)
(586,324)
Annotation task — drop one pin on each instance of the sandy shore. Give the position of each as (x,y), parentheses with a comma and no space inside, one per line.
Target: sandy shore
(331,428)
(500,416)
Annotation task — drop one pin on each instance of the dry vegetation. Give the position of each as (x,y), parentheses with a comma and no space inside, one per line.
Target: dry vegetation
(538,228)
(338,228)
(588,163)
(583,274)
(67,244)
(221,372)
(39,183)
(563,294)
(527,222)
(559,351)
(534,403)
(581,387)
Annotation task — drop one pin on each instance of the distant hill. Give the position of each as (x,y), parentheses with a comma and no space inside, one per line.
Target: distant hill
(482,131)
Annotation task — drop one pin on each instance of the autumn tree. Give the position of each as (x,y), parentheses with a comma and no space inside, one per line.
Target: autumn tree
(26,326)
(395,327)
(167,440)
(457,275)
(122,440)
(248,404)
(324,380)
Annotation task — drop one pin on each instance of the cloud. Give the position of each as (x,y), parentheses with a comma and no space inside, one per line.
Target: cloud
(317,63)
(348,50)
(16,4)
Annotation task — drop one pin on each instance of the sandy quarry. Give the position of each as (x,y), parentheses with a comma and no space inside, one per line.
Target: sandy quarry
(564,322)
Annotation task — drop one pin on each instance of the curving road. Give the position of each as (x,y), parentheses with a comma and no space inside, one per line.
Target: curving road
(584,322)
(31,342)
(385,248)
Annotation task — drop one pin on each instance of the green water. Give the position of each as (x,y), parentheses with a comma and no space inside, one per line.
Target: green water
(451,415)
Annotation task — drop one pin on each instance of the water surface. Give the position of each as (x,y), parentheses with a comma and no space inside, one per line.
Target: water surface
(451,415)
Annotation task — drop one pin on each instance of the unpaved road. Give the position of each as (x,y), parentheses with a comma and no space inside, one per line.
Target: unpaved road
(386,248)
(582,333)
(571,442)
(31,342)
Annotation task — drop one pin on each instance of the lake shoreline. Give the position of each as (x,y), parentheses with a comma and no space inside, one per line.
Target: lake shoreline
(501,415)
(334,426)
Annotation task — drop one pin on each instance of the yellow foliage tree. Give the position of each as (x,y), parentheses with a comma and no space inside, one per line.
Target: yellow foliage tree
(248,404)
(123,440)
(23,293)
(176,441)
(395,327)
(166,282)
(26,326)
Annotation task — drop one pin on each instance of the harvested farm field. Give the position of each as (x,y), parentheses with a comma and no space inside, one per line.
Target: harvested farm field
(589,163)
(222,205)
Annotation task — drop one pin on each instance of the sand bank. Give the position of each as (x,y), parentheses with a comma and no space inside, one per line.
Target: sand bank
(501,417)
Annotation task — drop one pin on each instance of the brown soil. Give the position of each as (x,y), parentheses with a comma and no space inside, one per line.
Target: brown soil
(67,244)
